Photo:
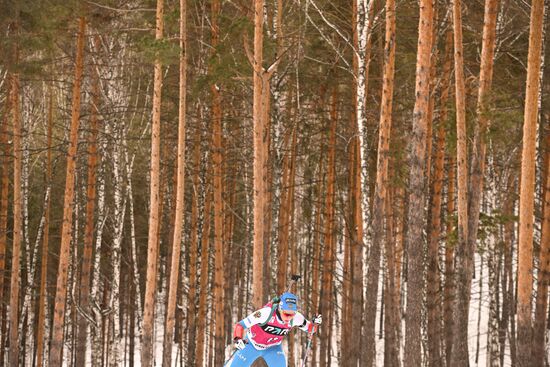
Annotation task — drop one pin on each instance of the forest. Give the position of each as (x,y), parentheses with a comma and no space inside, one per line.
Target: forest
(168,166)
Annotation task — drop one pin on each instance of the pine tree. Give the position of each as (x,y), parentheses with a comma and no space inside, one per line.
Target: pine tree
(464,253)
(90,215)
(56,348)
(379,214)
(147,357)
(260,157)
(539,337)
(417,162)
(17,223)
(180,194)
(526,206)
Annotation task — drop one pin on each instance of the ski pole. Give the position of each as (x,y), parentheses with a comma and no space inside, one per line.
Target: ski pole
(230,357)
(232,354)
(308,347)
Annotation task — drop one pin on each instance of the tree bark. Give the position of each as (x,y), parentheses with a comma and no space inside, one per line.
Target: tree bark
(180,194)
(17,224)
(217,162)
(541,308)
(329,237)
(316,259)
(362,25)
(379,206)
(45,242)
(147,346)
(191,299)
(526,206)
(541,322)
(284,217)
(463,254)
(483,111)
(56,348)
(260,159)
(434,231)
(4,200)
(84,296)
(205,254)
(416,215)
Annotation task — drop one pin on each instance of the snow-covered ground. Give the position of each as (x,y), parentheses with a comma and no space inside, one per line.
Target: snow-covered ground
(478,327)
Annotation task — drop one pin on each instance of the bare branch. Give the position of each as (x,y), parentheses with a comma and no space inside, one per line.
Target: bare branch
(118,9)
(247,50)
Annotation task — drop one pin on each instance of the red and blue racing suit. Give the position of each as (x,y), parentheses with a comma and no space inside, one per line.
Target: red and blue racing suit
(265,338)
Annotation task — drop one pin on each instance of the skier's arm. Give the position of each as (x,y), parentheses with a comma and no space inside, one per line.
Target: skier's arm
(302,323)
(257,317)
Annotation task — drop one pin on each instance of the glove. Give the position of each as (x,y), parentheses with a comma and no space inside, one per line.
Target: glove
(314,324)
(240,344)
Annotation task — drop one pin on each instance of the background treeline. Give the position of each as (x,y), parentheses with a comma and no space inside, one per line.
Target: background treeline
(166,165)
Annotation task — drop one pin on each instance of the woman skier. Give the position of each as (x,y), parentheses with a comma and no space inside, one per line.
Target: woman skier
(265,330)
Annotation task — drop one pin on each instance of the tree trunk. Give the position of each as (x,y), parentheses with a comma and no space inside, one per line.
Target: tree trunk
(118,219)
(492,333)
(147,346)
(180,195)
(45,242)
(17,225)
(316,259)
(449,266)
(379,205)
(434,231)
(205,254)
(541,322)
(431,102)
(526,207)
(330,239)
(541,313)
(96,291)
(464,254)
(347,321)
(193,249)
(56,348)
(416,215)
(4,200)
(84,296)
(260,159)
(217,162)
(361,23)
(483,110)
(284,217)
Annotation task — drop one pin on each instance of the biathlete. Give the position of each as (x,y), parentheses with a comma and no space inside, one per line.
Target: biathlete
(265,330)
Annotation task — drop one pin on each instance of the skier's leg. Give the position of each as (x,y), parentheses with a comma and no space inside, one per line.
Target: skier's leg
(244,358)
(275,356)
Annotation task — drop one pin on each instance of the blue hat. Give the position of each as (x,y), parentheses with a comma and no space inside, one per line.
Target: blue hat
(289,302)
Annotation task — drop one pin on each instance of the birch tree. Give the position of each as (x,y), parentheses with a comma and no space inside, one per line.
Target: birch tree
(45,239)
